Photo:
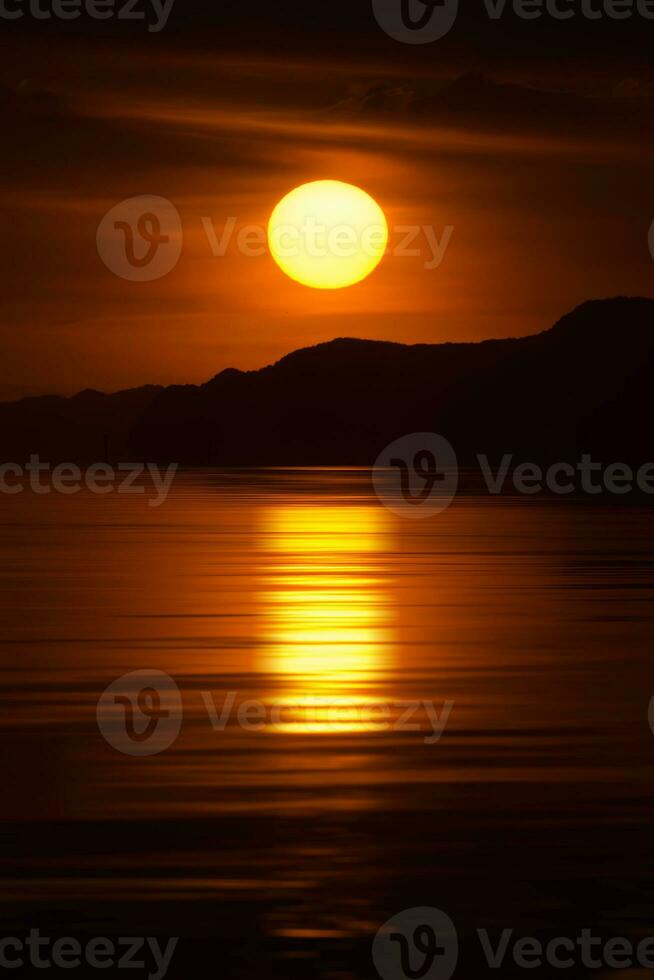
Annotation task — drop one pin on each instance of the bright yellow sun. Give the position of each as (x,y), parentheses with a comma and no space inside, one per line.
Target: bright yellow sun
(327,234)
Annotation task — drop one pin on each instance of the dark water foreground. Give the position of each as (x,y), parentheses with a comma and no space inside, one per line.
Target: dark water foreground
(278,849)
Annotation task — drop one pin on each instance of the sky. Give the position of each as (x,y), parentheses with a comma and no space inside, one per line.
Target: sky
(524,147)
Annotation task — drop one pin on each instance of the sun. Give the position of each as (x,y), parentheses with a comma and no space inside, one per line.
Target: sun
(327,234)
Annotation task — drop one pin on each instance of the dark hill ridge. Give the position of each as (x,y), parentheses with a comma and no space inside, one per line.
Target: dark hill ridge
(582,386)
(77,429)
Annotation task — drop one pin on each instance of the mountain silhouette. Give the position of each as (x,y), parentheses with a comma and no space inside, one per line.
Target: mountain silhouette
(582,386)
(89,427)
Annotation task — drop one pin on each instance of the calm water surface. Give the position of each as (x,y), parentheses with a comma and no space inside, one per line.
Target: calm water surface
(280,851)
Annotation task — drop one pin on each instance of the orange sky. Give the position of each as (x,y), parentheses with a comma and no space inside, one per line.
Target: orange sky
(547,188)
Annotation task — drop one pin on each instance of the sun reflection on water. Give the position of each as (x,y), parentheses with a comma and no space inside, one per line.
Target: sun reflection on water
(326,615)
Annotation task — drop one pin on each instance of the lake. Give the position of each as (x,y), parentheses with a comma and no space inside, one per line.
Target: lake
(378,714)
